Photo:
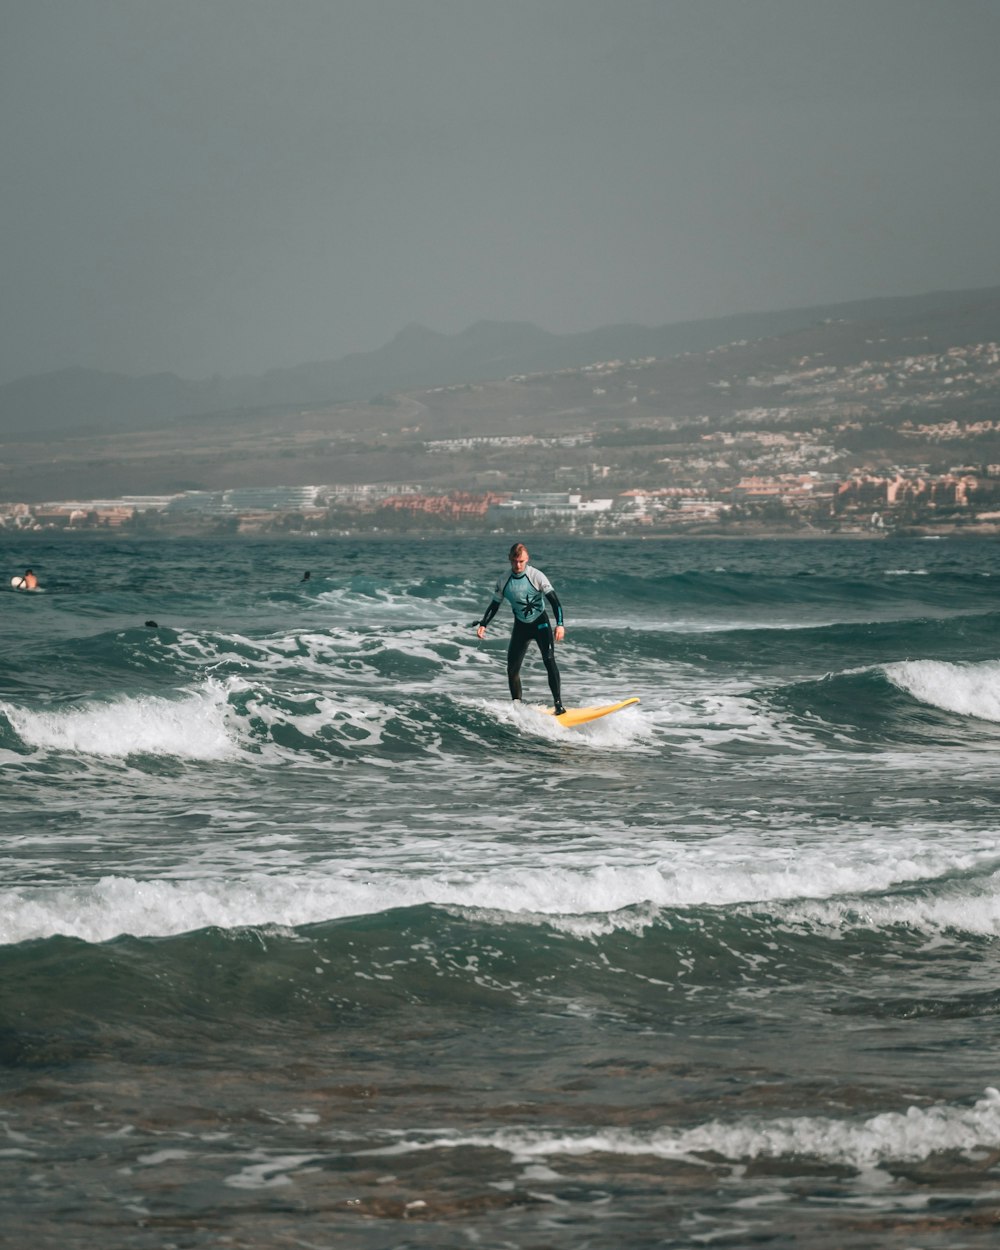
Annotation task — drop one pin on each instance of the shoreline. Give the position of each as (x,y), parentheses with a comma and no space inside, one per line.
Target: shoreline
(963,533)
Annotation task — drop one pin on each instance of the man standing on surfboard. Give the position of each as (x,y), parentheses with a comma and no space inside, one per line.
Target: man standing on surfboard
(524,588)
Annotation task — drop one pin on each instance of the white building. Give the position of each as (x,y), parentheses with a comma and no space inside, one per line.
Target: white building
(552,503)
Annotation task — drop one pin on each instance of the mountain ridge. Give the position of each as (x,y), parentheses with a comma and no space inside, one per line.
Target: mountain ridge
(78,400)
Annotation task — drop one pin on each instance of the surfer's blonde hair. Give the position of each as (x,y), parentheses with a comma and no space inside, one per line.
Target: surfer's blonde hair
(518,549)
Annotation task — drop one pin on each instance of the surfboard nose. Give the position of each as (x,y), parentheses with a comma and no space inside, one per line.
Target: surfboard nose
(580,715)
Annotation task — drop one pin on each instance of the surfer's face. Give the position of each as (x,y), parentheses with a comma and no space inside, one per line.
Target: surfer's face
(519,563)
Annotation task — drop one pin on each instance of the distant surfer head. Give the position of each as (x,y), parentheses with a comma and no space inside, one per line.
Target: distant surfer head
(518,557)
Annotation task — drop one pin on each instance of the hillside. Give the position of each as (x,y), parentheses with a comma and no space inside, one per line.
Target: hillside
(864,384)
(85,401)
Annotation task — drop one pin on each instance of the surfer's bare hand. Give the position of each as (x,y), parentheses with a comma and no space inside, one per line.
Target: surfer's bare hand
(560,633)
(481,631)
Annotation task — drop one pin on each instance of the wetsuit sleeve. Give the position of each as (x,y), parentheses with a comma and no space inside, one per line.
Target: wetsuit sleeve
(538,580)
(553,598)
(491,611)
(494,606)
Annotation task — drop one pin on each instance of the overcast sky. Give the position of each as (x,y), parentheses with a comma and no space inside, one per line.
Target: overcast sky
(225,186)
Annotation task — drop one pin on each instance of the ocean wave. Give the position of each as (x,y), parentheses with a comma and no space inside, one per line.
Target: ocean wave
(284,702)
(652,965)
(424,691)
(739,591)
(408,653)
(191,726)
(830,889)
(966,689)
(232,716)
(710,681)
(905,703)
(972,910)
(891,1137)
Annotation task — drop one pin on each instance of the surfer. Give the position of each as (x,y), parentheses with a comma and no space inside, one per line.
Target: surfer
(27,581)
(524,588)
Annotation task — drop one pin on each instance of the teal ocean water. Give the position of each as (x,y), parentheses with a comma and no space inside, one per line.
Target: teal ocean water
(310,938)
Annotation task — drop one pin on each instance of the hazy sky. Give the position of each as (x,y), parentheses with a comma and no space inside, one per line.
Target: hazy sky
(230,185)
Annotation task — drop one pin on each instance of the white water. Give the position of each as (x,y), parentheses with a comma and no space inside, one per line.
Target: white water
(968,689)
(817,889)
(893,1136)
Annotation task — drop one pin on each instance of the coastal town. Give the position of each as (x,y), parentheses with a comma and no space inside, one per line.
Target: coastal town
(828,435)
(910,501)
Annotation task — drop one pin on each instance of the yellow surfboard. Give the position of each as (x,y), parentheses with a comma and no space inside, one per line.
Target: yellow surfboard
(580,715)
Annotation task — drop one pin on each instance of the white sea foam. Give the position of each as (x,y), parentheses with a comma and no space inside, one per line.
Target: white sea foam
(315,714)
(269,1171)
(892,1137)
(687,720)
(623,729)
(342,649)
(970,911)
(411,602)
(817,889)
(198,724)
(968,689)
(192,726)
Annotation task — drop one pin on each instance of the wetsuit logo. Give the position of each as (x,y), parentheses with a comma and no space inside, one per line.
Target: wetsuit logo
(532,605)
